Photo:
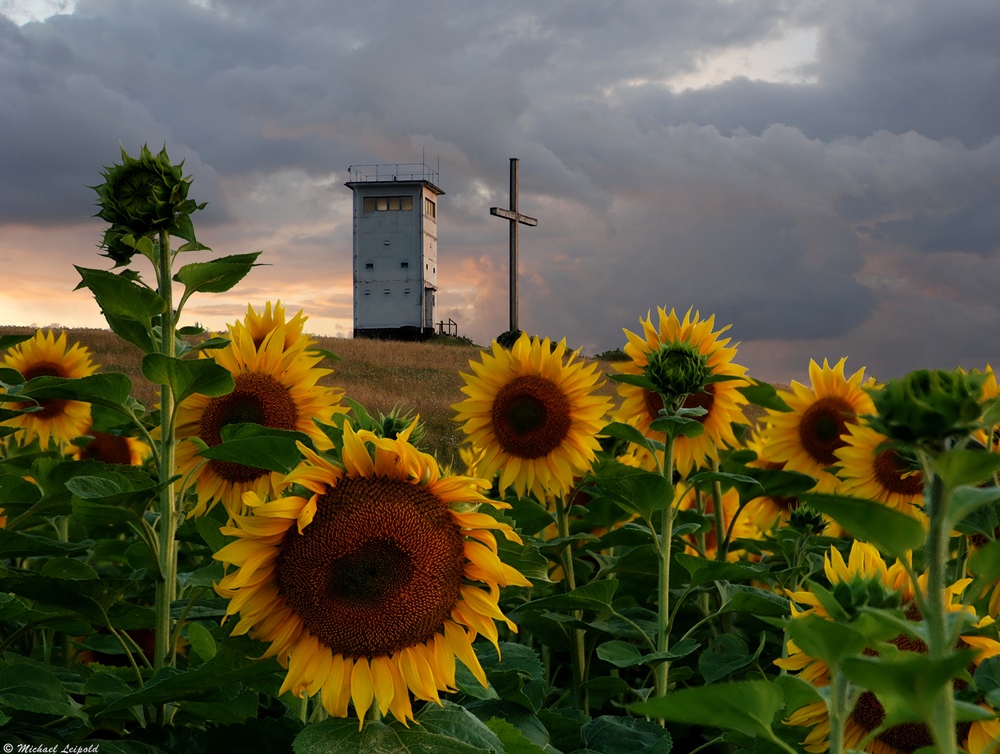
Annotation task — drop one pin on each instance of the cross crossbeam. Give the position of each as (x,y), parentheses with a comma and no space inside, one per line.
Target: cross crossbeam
(515,218)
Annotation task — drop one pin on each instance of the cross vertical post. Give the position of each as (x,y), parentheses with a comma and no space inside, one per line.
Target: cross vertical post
(515,218)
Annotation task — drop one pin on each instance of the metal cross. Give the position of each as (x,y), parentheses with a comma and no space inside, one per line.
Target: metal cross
(515,218)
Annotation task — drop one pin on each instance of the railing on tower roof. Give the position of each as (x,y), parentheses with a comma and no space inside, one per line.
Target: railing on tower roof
(396,171)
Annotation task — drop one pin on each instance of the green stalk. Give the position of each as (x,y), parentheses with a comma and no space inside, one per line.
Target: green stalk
(166,585)
(940,644)
(838,706)
(578,656)
(666,539)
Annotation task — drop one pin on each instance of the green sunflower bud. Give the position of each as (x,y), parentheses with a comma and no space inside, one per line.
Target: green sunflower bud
(927,407)
(143,196)
(677,370)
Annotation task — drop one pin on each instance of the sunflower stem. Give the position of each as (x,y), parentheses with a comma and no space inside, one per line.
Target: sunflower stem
(666,538)
(940,644)
(576,635)
(166,585)
(838,704)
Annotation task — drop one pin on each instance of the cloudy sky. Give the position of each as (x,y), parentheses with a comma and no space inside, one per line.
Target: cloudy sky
(823,175)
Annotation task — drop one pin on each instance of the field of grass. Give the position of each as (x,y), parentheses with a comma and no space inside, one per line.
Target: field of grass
(380,374)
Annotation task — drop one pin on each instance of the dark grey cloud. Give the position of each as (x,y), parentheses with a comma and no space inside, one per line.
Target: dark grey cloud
(841,211)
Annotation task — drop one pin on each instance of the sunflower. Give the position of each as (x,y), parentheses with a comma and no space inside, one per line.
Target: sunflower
(722,400)
(260,324)
(883,475)
(46,355)
(865,564)
(991,391)
(806,438)
(275,386)
(534,414)
(119,449)
(372,586)
(769,512)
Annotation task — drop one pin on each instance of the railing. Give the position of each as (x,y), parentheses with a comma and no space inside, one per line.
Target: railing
(398,171)
(448,328)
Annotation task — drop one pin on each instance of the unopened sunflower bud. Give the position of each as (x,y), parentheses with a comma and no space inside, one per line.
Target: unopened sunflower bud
(143,196)
(677,370)
(928,406)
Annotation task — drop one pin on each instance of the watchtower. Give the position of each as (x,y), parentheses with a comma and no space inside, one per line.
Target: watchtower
(395,250)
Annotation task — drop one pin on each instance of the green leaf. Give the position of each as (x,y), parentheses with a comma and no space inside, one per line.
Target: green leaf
(906,683)
(798,693)
(827,640)
(231,664)
(597,595)
(343,737)
(33,688)
(726,653)
(726,479)
(517,675)
(512,739)
(638,380)
(705,571)
(746,706)
(628,433)
(454,721)
(9,340)
(621,654)
(625,735)
(258,447)
(187,376)
(751,599)
(216,276)
(641,492)
(958,467)
(68,568)
(887,529)
(210,344)
(764,395)
(202,641)
(966,500)
(985,561)
(108,390)
(128,307)
(17,544)
(678,426)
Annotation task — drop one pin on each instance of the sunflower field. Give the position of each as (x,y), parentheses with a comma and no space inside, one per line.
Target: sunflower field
(256,563)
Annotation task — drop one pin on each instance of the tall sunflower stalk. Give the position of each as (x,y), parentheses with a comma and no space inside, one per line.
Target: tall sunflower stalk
(145,200)
(932,414)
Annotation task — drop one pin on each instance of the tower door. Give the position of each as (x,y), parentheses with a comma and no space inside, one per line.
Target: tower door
(429,308)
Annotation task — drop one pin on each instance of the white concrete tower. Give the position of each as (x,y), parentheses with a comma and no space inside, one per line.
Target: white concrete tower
(395,250)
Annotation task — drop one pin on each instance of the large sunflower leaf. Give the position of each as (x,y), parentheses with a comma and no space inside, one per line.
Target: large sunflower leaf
(128,307)
(455,721)
(764,395)
(258,447)
(342,736)
(966,500)
(887,529)
(610,734)
(217,276)
(747,706)
(187,376)
(514,740)
(641,492)
(704,571)
(958,467)
(18,544)
(985,561)
(8,340)
(33,688)
(110,390)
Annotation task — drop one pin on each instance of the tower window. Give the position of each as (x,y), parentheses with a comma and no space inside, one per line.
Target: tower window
(387,203)
(404,265)
(429,207)
(406,290)
(369,265)
(386,291)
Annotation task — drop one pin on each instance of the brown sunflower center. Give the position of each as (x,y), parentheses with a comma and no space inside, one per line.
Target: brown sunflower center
(378,569)
(256,398)
(50,407)
(822,425)
(530,416)
(108,448)
(889,469)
